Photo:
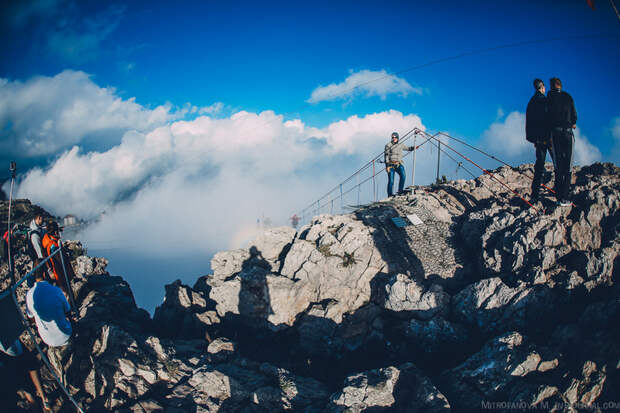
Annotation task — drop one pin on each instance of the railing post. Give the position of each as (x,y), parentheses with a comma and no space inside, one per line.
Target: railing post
(438,157)
(374,186)
(341,203)
(415,135)
(64,271)
(331,210)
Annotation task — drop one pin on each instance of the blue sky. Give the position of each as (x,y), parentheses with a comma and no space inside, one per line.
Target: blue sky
(271,55)
(130,107)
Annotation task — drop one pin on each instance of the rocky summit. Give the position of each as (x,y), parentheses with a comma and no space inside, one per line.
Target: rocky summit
(487,304)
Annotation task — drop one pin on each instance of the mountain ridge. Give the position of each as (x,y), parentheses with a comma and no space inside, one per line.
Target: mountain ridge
(486,304)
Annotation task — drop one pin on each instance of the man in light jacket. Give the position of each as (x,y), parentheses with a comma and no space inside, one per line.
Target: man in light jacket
(35,235)
(393,156)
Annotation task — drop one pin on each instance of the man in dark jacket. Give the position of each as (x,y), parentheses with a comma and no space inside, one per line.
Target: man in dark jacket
(537,131)
(563,119)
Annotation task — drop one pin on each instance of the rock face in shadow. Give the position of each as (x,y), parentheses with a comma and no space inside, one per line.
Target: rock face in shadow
(486,305)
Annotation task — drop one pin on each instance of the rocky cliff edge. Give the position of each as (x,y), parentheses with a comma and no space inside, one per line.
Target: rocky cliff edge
(485,305)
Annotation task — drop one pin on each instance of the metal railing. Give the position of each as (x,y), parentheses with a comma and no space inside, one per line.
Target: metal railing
(364,183)
(13,288)
(361,187)
(27,326)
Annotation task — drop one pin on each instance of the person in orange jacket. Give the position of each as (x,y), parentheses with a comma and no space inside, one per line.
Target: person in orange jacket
(50,243)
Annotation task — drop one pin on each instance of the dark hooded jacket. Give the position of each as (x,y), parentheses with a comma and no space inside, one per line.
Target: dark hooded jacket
(536,119)
(562,113)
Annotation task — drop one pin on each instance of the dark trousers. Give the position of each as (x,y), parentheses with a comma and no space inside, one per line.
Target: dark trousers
(539,167)
(563,141)
(401,179)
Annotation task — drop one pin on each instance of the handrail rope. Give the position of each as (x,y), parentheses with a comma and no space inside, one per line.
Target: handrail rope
(492,176)
(13,290)
(31,272)
(67,282)
(43,355)
(429,137)
(495,158)
(406,136)
(376,173)
(10,258)
(479,51)
(460,164)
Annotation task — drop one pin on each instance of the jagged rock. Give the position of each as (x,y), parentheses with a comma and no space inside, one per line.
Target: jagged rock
(184,313)
(86,266)
(351,293)
(224,264)
(493,307)
(389,389)
(503,366)
(273,243)
(221,349)
(245,385)
(106,299)
(319,335)
(333,260)
(403,295)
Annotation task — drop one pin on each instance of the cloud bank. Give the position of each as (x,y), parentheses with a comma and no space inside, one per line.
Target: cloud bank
(44,115)
(367,83)
(202,184)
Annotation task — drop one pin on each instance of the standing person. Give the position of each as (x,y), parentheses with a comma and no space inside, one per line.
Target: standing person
(537,131)
(27,360)
(35,237)
(393,157)
(563,119)
(48,306)
(50,243)
(4,251)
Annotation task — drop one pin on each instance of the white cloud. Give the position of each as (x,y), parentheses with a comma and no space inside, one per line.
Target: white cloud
(360,134)
(365,82)
(46,114)
(507,140)
(204,182)
(213,109)
(584,153)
